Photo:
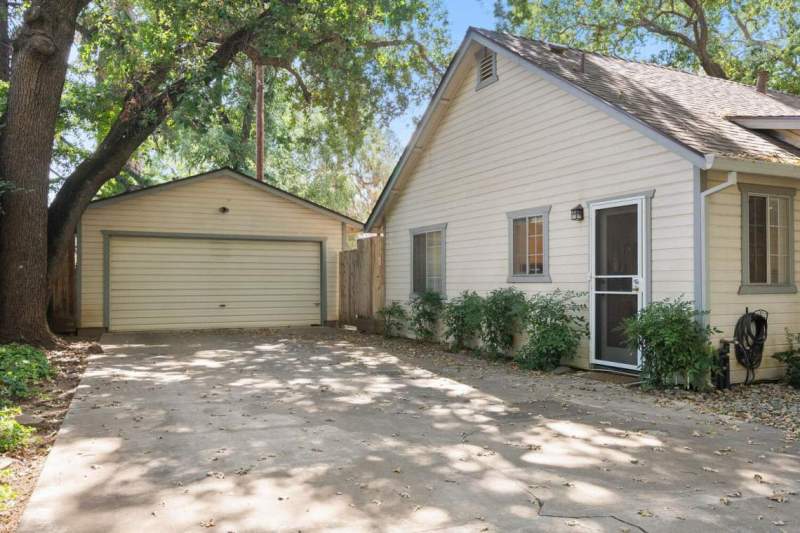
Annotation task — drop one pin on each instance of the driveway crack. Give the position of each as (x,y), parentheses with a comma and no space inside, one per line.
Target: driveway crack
(540,512)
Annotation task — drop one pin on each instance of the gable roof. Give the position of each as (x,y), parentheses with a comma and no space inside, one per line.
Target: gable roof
(235,174)
(687,113)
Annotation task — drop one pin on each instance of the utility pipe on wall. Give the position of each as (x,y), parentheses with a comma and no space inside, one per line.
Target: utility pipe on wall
(733,178)
(259,122)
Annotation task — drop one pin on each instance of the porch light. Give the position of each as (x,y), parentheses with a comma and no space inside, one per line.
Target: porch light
(223,209)
(576,213)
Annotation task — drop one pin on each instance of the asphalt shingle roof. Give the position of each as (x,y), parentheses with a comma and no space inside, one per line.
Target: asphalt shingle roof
(690,108)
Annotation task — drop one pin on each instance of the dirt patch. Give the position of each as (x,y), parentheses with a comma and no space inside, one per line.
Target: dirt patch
(45,413)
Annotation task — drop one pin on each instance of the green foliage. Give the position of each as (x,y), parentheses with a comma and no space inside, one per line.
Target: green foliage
(21,367)
(504,312)
(791,358)
(555,324)
(426,309)
(394,318)
(7,494)
(13,435)
(741,36)
(463,319)
(337,73)
(675,345)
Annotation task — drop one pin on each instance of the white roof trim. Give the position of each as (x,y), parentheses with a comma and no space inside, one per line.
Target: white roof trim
(768,123)
(695,158)
(766,168)
(411,147)
(230,173)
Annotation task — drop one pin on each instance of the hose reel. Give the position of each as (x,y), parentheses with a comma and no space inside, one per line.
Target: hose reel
(749,337)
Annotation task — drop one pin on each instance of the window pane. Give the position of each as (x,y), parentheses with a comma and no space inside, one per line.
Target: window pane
(778,240)
(433,261)
(520,252)
(757,230)
(535,245)
(617,241)
(419,263)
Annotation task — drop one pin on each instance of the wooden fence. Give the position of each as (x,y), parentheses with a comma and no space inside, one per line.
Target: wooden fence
(361,284)
(63,297)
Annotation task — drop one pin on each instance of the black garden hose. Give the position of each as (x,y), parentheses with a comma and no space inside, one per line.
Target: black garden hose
(750,335)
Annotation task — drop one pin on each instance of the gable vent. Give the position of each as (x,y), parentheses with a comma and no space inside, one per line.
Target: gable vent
(487,67)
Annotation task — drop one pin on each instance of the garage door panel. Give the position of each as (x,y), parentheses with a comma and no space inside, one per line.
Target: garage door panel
(174,283)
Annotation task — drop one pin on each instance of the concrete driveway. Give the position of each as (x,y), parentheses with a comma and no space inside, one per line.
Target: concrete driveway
(333,431)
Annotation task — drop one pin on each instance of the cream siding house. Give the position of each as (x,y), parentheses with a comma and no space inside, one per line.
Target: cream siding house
(521,132)
(217,250)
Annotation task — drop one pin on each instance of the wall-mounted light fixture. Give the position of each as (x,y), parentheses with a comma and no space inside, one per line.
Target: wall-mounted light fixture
(576,213)
(223,209)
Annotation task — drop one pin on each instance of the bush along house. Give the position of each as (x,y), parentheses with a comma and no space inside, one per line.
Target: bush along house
(544,167)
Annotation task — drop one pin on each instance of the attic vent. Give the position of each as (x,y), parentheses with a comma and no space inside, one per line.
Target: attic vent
(487,67)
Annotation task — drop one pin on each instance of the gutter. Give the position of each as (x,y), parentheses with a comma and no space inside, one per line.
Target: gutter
(733,179)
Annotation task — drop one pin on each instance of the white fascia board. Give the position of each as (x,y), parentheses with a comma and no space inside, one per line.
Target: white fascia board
(412,146)
(788,122)
(766,168)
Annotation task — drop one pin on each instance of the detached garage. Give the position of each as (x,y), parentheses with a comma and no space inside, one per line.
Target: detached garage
(216,250)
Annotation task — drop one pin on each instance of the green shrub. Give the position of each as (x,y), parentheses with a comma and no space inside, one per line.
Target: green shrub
(7,495)
(13,435)
(675,345)
(463,319)
(791,358)
(21,367)
(504,311)
(555,324)
(394,318)
(426,308)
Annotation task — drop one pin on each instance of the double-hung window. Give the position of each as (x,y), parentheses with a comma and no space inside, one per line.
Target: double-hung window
(427,259)
(767,239)
(528,245)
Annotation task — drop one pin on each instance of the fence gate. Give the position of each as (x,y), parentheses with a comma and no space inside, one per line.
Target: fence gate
(361,293)
(63,298)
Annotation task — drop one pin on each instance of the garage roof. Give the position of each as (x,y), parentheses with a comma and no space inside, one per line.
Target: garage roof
(244,178)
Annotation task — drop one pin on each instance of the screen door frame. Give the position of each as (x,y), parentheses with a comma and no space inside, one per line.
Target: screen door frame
(642,203)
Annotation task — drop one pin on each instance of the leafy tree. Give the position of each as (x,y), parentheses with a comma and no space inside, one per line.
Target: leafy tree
(148,66)
(731,39)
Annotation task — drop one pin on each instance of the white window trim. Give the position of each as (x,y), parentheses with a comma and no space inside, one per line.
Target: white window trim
(544,277)
(428,229)
(479,56)
(747,190)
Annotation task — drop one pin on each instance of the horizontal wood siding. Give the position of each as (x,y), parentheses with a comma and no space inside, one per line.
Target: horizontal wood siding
(725,273)
(194,208)
(523,143)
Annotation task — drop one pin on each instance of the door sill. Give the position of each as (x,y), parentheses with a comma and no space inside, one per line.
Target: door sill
(614,369)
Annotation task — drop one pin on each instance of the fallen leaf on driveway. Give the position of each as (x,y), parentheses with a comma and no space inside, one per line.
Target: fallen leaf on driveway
(778,497)
(645,512)
(208,523)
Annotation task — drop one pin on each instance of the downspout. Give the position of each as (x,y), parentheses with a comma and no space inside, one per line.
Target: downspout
(704,195)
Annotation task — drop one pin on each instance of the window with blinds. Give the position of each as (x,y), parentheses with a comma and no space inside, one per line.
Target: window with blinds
(427,261)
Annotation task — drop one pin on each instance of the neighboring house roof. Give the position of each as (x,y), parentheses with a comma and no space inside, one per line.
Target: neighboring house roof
(688,113)
(244,178)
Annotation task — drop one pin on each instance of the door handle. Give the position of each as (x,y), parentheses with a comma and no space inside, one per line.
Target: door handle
(635,282)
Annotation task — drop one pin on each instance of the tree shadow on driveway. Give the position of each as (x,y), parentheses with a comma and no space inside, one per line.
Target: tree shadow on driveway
(328,430)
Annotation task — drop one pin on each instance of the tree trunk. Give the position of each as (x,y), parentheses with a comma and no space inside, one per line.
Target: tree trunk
(37,79)
(5,43)
(140,117)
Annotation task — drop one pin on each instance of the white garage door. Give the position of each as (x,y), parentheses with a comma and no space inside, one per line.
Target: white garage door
(188,283)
